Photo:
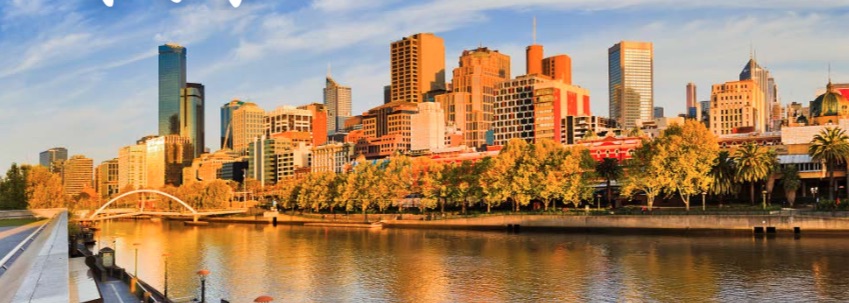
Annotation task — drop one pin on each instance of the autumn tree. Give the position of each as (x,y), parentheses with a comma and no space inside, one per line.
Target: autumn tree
(689,153)
(424,171)
(217,194)
(646,172)
(44,188)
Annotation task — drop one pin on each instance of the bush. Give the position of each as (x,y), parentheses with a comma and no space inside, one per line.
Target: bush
(832,205)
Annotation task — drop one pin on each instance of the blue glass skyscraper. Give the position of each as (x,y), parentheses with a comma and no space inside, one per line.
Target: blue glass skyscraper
(172,79)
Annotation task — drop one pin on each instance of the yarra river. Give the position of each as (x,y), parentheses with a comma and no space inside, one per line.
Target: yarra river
(319,264)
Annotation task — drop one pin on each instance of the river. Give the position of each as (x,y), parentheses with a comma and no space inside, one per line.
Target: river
(319,264)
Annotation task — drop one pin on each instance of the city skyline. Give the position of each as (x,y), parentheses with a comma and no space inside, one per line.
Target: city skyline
(96,83)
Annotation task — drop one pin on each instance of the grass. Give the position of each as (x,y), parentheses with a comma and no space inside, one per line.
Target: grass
(16,222)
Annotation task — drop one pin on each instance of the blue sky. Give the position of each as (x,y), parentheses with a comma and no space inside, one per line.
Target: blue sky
(79,74)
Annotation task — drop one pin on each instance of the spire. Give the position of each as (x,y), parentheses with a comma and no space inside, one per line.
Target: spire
(534,34)
(829,72)
(328,70)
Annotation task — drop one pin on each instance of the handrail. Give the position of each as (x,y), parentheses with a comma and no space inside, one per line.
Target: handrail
(20,245)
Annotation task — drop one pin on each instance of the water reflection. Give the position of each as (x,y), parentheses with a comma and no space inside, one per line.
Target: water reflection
(317,264)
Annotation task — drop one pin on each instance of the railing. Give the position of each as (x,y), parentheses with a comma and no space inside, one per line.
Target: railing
(20,247)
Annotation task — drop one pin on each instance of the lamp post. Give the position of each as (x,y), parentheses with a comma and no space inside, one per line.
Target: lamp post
(704,193)
(136,266)
(598,201)
(202,274)
(764,201)
(165,255)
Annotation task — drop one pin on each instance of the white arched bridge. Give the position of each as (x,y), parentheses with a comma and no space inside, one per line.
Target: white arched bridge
(103,214)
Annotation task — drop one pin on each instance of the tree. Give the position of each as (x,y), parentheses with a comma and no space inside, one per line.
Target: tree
(398,178)
(518,169)
(44,188)
(609,169)
(690,151)
(13,194)
(217,194)
(646,172)
(722,174)
(424,171)
(752,163)
(576,171)
(830,146)
(791,182)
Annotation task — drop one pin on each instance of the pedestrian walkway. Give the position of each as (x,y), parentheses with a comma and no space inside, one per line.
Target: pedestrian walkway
(11,236)
(115,291)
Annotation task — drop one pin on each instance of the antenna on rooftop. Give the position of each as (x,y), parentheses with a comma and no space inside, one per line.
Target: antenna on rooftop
(829,72)
(328,69)
(534,34)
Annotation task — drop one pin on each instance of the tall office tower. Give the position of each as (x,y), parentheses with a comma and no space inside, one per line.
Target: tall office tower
(77,174)
(318,122)
(631,82)
(287,119)
(165,159)
(470,104)
(337,99)
(554,103)
(191,115)
(386,129)
(132,166)
(418,67)
(692,104)
(735,107)
(226,119)
(172,79)
(387,94)
(766,84)
(248,123)
(47,157)
(514,109)
(107,178)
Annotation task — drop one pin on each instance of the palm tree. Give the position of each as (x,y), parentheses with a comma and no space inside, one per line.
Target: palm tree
(723,173)
(609,169)
(831,146)
(752,163)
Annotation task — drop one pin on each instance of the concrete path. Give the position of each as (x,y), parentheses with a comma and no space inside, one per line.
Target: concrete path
(41,272)
(11,236)
(115,291)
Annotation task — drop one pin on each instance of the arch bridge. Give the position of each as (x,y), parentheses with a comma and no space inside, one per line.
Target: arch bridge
(103,214)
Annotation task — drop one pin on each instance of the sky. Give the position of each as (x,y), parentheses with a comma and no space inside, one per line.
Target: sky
(79,74)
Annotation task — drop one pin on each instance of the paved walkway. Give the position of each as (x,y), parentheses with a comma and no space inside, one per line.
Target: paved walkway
(115,291)
(11,236)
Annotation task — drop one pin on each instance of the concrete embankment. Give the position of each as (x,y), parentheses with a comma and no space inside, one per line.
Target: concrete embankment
(658,223)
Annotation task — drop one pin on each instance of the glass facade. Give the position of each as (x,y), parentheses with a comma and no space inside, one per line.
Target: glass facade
(172,79)
(226,118)
(191,115)
(630,74)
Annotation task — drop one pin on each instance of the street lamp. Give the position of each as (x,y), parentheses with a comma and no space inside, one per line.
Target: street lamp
(202,274)
(165,255)
(136,266)
(764,195)
(597,201)
(704,193)
(814,191)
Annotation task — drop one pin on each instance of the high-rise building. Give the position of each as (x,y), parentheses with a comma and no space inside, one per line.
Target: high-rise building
(47,157)
(192,115)
(704,112)
(318,123)
(554,101)
(172,79)
(226,119)
(386,129)
(658,112)
(470,104)
(271,160)
(558,67)
(132,166)
(288,119)
(248,123)
(631,82)
(766,84)
(417,67)
(735,107)
(208,167)
(427,131)
(692,106)
(514,108)
(332,157)
(107,178)
(165,159)
(77,174)
(337,99)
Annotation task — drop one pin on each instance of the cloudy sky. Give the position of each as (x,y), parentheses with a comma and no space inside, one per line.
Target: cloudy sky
(79,74)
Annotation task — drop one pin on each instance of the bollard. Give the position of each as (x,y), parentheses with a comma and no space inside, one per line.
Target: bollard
(770,229)
(759,230)
(797,230)
(274,221)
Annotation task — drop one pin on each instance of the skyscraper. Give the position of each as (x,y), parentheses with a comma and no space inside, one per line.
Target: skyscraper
(658,112)
(418,67)
(470,104)
(248,123)
(47,157)
(77,174)
(191,115)
(226,119)
(172,79)
(735,107)
(766,84)
(631,82)
(692,106)
(337,98)
(107,178)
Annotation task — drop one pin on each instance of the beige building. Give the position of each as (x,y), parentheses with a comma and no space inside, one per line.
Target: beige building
(427,127)
(287,119)
(107,178)
(337,98)
(271,160)
(248,123)
(735,107)
(77,174)
(469,105)
(631,82)
(207,167)
(386,129)
(132,167)
(332,157)
(417,67)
